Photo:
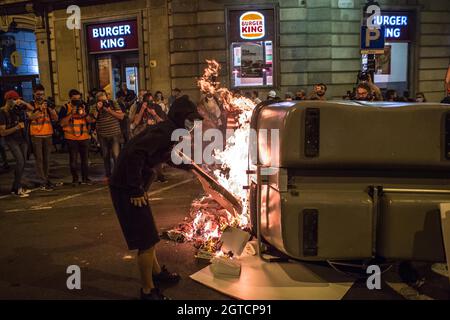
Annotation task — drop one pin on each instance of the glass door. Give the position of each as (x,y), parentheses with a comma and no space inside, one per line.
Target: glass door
(391,68)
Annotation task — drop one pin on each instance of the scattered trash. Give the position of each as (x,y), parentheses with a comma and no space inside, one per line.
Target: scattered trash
(204,254)
(175,235)
(224,266)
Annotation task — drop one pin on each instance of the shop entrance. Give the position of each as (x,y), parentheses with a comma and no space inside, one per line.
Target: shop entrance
(391,68)
(109,71)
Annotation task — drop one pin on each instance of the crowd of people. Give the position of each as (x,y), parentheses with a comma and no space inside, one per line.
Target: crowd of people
(107,124)
(365,90)
(38,126)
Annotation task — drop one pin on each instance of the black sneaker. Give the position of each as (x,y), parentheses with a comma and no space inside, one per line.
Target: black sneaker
(51,184)
(165,276)
(87,182)
(155,294)
(163,179)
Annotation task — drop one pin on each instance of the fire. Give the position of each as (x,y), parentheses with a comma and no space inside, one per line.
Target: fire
(207,218)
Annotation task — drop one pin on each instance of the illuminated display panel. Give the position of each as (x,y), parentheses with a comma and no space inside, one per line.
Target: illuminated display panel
(399,26)
(112,37)
(251,36)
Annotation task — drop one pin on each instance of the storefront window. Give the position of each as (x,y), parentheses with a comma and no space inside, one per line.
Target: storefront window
(392,68)
(113,49)
(18,53)
(251,43)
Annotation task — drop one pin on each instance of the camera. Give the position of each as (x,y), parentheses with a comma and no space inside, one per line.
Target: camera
(350,95)
(79,107)
(20,111)
(106,104)
(50,103)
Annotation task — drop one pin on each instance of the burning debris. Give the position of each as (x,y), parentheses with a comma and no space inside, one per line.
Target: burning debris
(209,216)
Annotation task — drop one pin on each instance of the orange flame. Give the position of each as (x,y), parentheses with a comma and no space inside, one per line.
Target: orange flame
(208,219)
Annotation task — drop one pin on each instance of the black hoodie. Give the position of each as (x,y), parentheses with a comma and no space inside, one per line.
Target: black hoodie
(150,148)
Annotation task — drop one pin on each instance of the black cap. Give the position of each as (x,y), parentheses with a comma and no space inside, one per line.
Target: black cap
(182,109)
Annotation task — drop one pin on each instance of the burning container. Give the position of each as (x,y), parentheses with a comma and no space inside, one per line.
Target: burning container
(352,180)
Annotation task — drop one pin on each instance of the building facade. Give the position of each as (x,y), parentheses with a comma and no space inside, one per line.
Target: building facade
(284,45)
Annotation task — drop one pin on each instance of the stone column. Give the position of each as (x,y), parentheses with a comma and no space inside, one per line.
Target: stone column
(43,58)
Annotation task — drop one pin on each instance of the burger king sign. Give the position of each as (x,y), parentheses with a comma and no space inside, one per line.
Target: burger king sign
(252,25)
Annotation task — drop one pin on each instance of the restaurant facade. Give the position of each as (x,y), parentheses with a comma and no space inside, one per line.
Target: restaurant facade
(283,45)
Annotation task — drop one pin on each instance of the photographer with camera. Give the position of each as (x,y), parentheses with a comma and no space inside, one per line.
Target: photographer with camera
(74,120)
(107,116)
(365,78)
(12,128)
(147,113)
(41,131)
(319,91)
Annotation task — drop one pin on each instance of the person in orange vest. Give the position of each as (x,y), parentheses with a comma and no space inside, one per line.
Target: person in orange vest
(41,131)
(74,120)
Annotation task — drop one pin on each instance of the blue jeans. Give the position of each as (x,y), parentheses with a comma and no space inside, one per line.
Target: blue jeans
(19,151)
(110,149)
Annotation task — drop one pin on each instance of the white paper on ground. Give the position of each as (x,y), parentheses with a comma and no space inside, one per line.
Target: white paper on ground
(223,266)
(234,240)
(445,221)
(261,280)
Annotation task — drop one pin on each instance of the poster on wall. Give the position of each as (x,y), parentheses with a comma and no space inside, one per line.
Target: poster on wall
(383,61)
(105,75)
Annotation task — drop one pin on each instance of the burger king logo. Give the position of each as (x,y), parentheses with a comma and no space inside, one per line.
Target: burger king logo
(252,25)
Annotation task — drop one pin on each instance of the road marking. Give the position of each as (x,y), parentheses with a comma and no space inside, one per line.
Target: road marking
(47,205)
(66,198)
(31,209)
(407,291)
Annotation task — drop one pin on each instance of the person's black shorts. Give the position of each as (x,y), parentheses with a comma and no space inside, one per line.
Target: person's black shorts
(137,223)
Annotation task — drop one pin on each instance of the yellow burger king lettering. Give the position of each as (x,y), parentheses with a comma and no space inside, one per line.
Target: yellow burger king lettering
(252,25)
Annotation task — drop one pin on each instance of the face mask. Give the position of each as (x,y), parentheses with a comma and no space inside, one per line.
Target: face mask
(189,125)
(419,99)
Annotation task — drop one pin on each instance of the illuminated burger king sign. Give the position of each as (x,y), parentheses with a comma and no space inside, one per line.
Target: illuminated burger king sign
(112,36)
(251,25)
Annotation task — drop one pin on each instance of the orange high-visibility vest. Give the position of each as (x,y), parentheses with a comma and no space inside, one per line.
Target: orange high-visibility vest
(77,129)
(41,126)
